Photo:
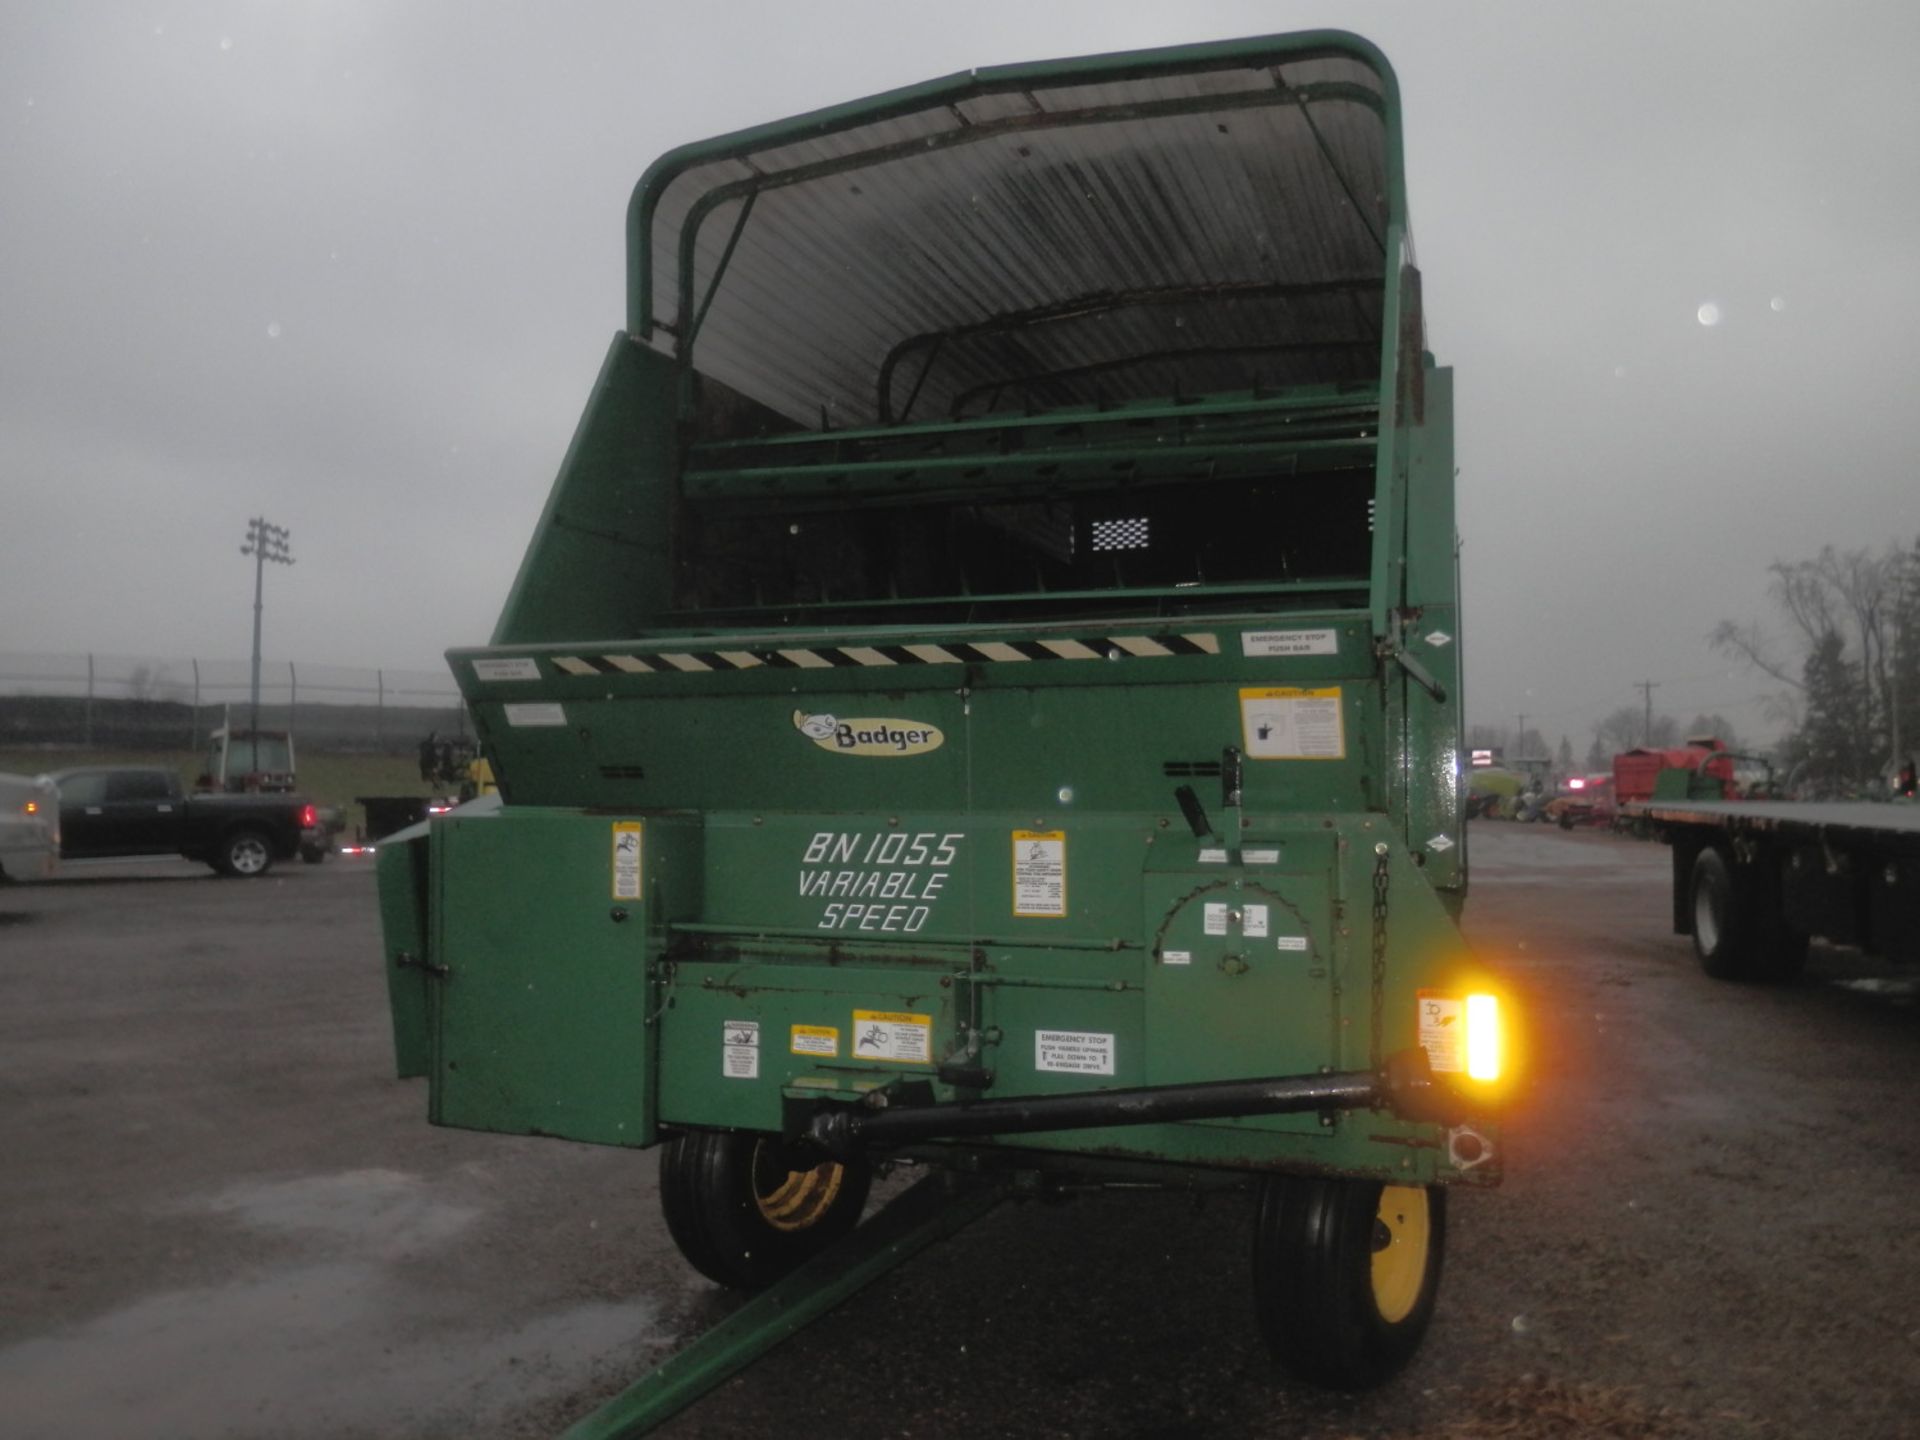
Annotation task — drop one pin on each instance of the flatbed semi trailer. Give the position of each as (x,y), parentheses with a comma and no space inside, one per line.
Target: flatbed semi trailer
(1754,881)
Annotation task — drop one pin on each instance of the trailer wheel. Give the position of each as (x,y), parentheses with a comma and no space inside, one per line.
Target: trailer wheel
(1346,1273)
(1738,930)
(741,1216)
(245,853)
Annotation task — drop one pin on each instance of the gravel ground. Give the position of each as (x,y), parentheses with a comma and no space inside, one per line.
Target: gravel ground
(221,1218)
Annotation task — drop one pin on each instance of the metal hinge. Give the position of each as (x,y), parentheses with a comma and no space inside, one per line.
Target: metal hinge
(407,960)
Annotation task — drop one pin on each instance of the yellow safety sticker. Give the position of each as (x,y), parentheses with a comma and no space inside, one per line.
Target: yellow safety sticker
(1286,723)
(1040,873)
(893,1036)
(1443,1030)
(815,1040)
(626,859)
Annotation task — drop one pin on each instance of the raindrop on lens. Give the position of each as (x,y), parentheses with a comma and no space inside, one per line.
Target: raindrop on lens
(1777,304)
(273,329)
(1521,1325)
(1709,314)
(226,42)
(1066,794)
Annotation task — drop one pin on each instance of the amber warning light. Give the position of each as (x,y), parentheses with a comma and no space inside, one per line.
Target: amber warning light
(1483,1037)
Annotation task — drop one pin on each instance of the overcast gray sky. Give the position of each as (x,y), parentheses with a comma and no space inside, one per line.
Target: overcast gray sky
(354,266)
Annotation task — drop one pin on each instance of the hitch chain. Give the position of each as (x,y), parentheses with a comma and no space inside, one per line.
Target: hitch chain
(1376,1017)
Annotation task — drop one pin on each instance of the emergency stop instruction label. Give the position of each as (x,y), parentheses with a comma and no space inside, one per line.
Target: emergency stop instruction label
(740,1050)
(1287,723)
(520,668)
(626,859)
(1040,873)
(892,1035)
(1443,1029)
(1290,642)
(1073,1052)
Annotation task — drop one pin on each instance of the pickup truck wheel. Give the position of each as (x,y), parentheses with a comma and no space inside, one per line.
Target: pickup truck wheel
(245,853)
(1346,1273)
(741,1217)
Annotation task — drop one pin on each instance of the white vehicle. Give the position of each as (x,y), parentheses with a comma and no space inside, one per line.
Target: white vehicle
(29,827)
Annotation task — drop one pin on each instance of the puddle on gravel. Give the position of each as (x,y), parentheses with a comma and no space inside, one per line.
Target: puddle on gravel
(335,1344)
(386,1212)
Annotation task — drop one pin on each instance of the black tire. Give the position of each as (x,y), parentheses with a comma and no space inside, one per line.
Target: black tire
(1331,1312)
(247,853)
(741,1217)
(1566,820)
(1739,932)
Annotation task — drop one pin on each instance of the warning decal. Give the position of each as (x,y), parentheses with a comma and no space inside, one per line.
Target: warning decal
(519,668)
(740,1050)
(1284,723)
(1443,1030)
(626,859)
(1040,873)
(535,713)
(815,1040)
(1072,1052)
(893,1036)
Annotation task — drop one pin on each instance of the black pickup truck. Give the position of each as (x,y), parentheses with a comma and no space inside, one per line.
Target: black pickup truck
(141,810)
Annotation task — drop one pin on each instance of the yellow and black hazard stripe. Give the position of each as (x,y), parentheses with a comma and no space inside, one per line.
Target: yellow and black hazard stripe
(848,657)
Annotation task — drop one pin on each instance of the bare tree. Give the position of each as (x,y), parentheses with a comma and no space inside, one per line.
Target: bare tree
(1849,599)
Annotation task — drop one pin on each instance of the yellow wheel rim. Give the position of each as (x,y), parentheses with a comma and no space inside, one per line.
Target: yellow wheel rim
(1402,1232)
(793,1199)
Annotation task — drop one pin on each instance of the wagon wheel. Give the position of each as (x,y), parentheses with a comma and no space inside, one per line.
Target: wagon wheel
(1346,1273)
(741,1216)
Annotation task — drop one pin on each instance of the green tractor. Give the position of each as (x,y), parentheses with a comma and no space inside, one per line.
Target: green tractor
(984,694)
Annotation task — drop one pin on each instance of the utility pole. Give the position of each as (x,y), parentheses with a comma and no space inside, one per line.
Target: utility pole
(1520,738)
(264,542)
(1647,687)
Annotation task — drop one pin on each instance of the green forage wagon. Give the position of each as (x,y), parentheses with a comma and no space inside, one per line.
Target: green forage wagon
(984,694)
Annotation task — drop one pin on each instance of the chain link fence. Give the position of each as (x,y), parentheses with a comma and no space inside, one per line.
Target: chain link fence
(142,703)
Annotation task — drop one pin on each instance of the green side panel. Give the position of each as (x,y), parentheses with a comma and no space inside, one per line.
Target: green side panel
(1229,994)
(400,870)
(598,561)
(1041,739)
(729,1042)
(544,1014)
(1432,774)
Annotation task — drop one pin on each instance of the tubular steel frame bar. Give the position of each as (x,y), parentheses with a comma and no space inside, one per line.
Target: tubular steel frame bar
(1257,52)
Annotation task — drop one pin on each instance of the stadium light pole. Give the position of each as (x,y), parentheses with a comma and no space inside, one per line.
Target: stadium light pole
(264,542)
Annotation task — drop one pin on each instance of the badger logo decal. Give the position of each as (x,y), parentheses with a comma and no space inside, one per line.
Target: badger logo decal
(879,738)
